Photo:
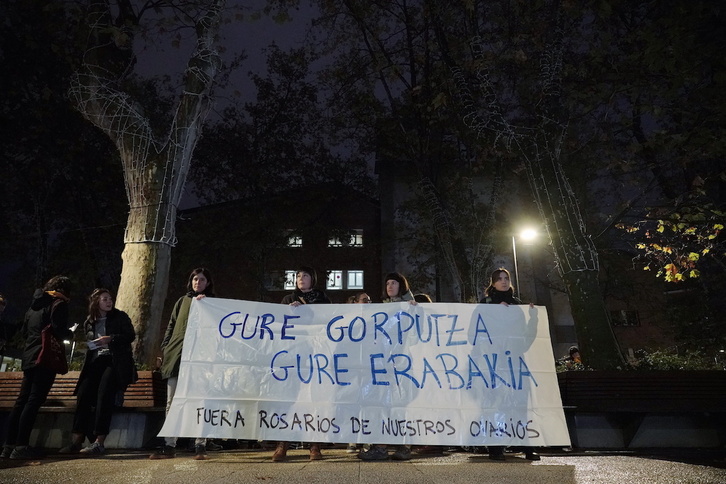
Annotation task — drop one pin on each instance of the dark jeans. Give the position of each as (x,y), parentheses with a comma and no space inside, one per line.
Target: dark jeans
(33,392)
(97,390)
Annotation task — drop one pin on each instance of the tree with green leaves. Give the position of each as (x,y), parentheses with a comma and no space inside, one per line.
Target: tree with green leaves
(389,88)
(497,66)
(654,91)
(282,140)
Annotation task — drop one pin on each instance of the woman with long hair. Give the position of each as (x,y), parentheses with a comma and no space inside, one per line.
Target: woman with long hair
(199,285)
(305,293)
(108,370)
(501,291)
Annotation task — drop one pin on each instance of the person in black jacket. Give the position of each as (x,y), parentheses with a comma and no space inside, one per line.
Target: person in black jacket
(49,307)
(199,286)
(304,293)
(501,291)
(107,370)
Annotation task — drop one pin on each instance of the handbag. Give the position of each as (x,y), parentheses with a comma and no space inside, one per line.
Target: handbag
(52,354)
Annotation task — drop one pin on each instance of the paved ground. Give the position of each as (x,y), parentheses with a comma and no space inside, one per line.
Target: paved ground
(254,466)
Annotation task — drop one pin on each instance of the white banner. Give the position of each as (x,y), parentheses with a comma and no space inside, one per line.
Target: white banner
(430,374)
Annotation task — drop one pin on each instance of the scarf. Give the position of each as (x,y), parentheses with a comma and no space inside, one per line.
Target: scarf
(497,297)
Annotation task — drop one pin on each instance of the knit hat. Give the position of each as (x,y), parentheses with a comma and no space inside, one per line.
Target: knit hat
(401,279)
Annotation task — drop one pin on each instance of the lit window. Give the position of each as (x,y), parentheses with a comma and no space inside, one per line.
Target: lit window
(354,238)
(355,279)
(274,281)
(335,281)
(290,282)
(293,239)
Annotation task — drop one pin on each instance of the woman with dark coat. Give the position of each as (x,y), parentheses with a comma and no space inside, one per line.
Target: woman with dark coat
(501,291)
(305,293)
(49,307)
(107,370)
(395,289)
(199,286)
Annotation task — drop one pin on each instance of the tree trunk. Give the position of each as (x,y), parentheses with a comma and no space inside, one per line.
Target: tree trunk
(576,256)
(145,277)
(594,334)
(155,171)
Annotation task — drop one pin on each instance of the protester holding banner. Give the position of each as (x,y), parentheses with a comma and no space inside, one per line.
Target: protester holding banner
(357,298)
(49,308)
(305,293)
(501,291)
(395,289)
(427,449)
(200,285)
(107,370)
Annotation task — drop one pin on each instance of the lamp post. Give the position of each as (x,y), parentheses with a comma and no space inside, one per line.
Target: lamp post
(526,235)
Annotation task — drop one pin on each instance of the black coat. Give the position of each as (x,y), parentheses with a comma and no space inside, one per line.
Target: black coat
(313,297)
(121,331)
(44,310)
(498,297)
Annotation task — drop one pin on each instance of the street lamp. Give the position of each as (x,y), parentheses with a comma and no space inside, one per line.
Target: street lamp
(526,235)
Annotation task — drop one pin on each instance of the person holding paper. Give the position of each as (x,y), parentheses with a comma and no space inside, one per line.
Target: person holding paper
(107,370)
(200,285)
(304,293)
(501,291)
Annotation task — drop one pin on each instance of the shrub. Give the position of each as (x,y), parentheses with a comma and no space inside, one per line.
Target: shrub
(664,360)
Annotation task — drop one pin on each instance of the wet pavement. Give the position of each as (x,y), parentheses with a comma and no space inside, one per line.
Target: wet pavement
(254,466)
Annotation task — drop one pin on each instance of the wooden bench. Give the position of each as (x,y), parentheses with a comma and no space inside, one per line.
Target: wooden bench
(147,394)
(616,409)
(134,425)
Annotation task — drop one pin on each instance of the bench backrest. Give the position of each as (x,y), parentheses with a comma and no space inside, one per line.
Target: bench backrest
(644,391)
(149,391)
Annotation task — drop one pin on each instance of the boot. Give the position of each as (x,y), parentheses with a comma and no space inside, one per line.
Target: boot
(315,452)
(280,452)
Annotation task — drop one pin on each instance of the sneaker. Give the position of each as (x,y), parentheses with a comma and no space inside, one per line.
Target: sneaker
(70,449)
(352,449)
(376,452)
(212,446)
(94,449)
(200,452)
(7,450)
(402,453)
(25,452)
(166,452)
